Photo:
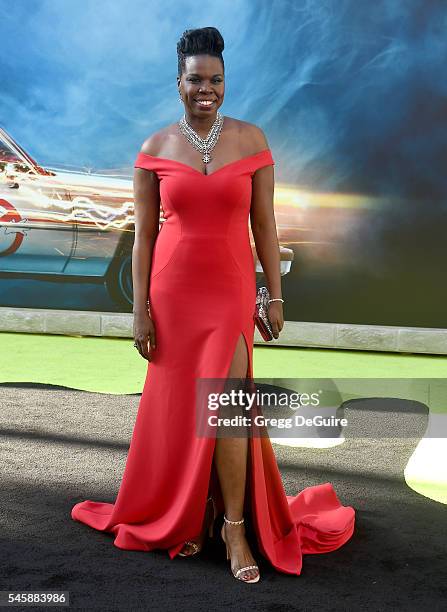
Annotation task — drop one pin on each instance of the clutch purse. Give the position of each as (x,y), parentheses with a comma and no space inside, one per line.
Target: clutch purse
(260,316)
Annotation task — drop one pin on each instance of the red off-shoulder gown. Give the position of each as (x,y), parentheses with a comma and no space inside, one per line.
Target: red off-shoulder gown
(202,292)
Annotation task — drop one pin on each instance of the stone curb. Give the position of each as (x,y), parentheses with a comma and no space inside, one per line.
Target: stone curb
(318,335)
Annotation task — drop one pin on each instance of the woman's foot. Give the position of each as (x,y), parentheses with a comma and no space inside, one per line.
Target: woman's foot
(192,547)
(240,554)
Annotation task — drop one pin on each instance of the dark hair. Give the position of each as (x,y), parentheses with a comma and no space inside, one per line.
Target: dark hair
(207,41)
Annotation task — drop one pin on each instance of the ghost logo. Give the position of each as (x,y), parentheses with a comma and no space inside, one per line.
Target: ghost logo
(10,237)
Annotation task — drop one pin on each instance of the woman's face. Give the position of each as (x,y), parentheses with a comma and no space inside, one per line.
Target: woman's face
(202,79)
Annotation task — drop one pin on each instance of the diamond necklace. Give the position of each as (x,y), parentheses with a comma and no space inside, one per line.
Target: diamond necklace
(203,145)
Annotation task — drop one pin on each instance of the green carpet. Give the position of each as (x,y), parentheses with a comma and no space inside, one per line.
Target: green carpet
(113,365)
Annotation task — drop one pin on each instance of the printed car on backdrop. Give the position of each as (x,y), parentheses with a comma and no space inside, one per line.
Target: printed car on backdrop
(73,225)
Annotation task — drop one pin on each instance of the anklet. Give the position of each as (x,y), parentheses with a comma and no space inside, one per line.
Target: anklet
(233,522)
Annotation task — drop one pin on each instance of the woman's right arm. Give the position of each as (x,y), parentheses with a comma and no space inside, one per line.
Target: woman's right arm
(147,217)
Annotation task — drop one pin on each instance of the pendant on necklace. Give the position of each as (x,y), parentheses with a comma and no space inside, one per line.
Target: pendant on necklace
(206,158)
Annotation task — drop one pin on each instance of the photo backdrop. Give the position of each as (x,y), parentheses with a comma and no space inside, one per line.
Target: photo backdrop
(350,94)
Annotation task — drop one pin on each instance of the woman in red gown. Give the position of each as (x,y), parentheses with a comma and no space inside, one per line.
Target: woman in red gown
(198,273)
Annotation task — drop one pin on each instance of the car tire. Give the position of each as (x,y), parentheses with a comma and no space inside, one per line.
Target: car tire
(118,280)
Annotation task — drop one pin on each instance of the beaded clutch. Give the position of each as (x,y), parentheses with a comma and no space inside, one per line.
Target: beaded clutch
(260,316)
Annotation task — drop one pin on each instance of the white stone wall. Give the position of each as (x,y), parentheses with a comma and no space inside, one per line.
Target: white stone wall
(325,335)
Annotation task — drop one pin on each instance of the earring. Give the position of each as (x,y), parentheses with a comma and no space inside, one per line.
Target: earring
(180,98)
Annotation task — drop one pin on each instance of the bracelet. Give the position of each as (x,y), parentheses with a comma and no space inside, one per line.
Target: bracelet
(276,300)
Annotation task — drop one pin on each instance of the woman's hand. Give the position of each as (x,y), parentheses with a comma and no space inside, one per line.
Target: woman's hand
(276,317)
(144,334)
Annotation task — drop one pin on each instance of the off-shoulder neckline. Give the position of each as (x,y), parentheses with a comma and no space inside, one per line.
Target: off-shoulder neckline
(236,161)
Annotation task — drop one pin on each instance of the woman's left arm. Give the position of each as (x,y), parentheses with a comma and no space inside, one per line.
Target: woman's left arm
(263,227)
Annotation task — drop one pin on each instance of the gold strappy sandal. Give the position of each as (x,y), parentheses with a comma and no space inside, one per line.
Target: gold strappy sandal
(237,573)
(194,545)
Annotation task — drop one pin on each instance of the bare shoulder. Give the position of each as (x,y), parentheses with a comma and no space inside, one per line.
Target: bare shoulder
(252,137)
(154,142)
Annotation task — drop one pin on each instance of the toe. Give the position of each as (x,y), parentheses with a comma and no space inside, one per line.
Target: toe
(188,549)
(250,574)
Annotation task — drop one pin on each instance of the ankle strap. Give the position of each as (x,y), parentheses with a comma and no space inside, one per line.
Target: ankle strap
(233,522)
